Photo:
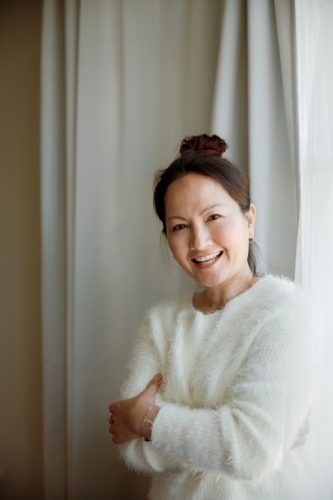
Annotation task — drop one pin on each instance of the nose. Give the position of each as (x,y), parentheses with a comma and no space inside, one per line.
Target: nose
(200,238)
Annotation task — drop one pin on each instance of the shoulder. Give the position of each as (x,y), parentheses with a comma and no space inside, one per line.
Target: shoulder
(284,305)
(276,292)
(276,287)
(160,323)
(275,303)
(167,311)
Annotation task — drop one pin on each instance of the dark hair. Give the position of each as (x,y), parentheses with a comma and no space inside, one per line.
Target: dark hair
(201,155)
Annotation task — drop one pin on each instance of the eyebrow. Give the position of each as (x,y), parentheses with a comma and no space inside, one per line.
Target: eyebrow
(202,212)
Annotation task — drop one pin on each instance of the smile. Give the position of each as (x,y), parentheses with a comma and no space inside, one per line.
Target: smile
(207,260)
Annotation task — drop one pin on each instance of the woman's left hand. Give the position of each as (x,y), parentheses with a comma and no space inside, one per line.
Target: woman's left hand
(127,415)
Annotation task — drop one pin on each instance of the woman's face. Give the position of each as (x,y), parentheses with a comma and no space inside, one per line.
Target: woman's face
(207,233)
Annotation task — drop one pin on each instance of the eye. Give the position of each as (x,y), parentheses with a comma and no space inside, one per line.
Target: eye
(178,227)
(214,217)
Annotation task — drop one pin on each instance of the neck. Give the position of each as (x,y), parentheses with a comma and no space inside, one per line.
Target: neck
(213,298)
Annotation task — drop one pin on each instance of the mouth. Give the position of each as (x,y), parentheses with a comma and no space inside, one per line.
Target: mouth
(207,260)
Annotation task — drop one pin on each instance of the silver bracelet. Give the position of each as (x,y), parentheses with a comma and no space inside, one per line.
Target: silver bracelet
(145,420)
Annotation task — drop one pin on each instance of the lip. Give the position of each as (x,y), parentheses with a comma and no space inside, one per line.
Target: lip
(207,264)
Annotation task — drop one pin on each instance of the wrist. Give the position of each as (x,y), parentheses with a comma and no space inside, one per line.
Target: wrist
(148,421)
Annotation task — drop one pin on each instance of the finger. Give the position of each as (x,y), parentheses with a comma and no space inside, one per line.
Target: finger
(112,407)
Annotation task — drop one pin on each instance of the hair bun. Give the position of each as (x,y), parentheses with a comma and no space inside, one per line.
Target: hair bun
(210,145)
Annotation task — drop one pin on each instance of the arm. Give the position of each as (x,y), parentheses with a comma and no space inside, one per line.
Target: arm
(247,436)
(145,363)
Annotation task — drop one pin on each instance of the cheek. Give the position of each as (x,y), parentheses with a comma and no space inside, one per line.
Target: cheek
(223,232)
(231,235)
(176,245)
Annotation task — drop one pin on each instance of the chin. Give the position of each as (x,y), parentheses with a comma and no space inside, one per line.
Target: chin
(208,278)
(207,283)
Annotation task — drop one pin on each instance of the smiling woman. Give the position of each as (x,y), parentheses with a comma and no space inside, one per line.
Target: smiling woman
(223,355)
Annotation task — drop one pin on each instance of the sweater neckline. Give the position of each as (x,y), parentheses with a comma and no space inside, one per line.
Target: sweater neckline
(232,303)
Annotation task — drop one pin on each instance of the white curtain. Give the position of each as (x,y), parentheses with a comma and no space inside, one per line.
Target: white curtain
(122,83)
(314,269)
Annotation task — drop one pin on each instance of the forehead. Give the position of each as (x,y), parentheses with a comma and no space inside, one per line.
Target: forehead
(196,191)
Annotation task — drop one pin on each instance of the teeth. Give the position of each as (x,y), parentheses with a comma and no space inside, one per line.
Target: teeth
(208,257)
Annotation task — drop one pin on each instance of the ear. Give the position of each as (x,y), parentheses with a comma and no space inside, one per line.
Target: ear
(250,217)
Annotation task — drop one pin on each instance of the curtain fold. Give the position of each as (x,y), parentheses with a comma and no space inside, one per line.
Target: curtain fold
(230,110)
(53,209)
(286,32)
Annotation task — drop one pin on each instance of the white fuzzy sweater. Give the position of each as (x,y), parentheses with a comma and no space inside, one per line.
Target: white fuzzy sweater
(236,390)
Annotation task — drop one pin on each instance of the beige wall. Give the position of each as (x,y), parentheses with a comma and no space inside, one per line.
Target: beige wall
(20,301)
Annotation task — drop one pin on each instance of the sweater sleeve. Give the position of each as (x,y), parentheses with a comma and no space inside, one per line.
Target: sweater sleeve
(246,437)
(145,363)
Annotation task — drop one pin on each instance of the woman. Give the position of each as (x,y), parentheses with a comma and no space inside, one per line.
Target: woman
(233,360)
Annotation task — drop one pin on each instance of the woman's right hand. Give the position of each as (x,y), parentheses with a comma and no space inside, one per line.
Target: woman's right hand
(127,415)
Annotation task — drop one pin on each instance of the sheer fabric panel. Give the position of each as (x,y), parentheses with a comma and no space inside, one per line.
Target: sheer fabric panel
(314,270)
